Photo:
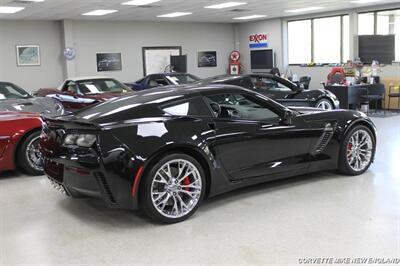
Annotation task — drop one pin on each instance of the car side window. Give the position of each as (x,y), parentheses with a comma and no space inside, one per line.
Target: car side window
(157,80)
(70,87)
(247,83)
(188,107)
(263,83)
(240,106)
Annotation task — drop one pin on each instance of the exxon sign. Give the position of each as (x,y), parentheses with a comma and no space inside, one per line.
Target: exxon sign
(258,41)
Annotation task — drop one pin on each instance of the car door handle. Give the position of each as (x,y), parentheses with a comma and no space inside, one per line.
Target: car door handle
(211,125)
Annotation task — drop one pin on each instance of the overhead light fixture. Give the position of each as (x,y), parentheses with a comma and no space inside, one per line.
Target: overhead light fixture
(364,1)
(139,2)
(99,12)
(226,5)
(10,9)
(175,14)
(311,8)
(250,17)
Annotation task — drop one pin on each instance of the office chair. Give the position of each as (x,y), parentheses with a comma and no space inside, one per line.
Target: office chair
(305,80)
(374,93)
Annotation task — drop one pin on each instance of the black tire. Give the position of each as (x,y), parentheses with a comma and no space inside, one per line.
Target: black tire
(22,156)
(344,165)
(146,202)
(326,101)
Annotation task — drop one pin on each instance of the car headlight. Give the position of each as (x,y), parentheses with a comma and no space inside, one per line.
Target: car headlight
(82,140)
(59,108)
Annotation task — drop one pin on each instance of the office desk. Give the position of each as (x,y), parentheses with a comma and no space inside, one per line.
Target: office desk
(350,96)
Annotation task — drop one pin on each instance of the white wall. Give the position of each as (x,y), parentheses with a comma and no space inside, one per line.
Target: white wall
(47,34)
(273,28)
(128,38)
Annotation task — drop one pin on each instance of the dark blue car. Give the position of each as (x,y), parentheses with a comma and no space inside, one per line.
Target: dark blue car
(162,79)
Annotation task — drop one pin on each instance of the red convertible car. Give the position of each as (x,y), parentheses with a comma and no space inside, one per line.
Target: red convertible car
(76,93)
(19,139)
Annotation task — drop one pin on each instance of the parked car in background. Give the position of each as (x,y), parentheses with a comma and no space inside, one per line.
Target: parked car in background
(280,89)
(166,149)
(162,79)
(19,139)
(76,93)
(14,98)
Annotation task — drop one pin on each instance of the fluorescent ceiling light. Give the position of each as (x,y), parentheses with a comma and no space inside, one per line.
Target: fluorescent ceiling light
(364,1)
(311,8)
(99,12)
(250,17)
(174,15)
(139,2)
(226,5)
(10,9)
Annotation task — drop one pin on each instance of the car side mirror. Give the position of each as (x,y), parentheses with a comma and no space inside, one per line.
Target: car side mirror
(287,117)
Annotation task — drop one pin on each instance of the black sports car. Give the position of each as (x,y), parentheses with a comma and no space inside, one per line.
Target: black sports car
(282,90)
(162,79)
(166,149)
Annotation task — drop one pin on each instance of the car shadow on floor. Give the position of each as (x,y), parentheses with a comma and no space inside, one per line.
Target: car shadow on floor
(94,211)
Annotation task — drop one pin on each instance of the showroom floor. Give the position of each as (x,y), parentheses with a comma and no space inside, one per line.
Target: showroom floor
(319,215)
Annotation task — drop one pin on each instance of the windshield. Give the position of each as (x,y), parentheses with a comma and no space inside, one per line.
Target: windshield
(101,86)
(182,78)
(11,91)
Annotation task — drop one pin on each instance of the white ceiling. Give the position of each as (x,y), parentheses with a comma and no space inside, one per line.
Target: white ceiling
(72,9)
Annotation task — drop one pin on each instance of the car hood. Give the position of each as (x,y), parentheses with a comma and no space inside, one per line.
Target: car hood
(105,96)
(10,116)
(40,105)
(307,110)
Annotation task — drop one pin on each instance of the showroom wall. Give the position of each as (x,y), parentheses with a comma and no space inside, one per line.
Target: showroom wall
(44,33)
(128,38)
(91,37)
(271,27)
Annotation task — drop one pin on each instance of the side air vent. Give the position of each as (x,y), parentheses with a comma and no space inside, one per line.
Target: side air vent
(323,140)
(104,185)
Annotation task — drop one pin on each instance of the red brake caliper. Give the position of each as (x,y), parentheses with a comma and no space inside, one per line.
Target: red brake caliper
(186,182)
(349,146)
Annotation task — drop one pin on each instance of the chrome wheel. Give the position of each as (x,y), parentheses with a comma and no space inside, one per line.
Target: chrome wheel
(33,155)
(324,104)
(359,150)
(176,188)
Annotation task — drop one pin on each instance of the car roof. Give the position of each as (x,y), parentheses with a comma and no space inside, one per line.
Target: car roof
(173,90)
(87,78)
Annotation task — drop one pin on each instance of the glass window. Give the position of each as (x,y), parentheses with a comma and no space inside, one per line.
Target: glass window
(388,22)
(299,41)
(11,91)
(366,23)
(101,86)
(345,39)
(239,106)
(263,83)
(327,36)
(191,107)
(182,78)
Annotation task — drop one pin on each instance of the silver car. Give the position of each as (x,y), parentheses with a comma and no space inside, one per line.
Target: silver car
(14,98)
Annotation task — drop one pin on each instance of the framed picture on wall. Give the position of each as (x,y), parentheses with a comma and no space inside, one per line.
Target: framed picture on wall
(207,59)
(109,62)
(28,55)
